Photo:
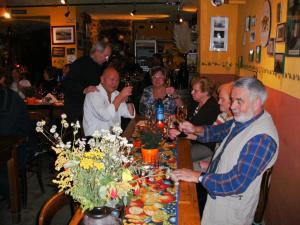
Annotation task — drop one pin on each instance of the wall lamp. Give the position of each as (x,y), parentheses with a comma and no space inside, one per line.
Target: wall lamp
(133,12)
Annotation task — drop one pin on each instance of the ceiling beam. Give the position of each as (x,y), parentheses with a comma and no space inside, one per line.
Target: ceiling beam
(95,4)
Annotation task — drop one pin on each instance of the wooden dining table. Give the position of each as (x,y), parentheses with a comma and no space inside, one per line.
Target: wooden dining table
(188,209)
(8,155)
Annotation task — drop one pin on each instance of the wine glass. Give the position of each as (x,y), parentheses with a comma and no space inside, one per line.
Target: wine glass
(168,84)
(128,83)
(181,113)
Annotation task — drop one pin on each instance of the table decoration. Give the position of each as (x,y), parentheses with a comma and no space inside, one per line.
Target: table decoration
(100,172)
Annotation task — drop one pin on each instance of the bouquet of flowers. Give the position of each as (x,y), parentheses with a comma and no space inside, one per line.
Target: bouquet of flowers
(101,176)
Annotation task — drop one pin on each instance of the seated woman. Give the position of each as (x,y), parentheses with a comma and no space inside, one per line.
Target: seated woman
(203,111)
(159,90)
(49,84)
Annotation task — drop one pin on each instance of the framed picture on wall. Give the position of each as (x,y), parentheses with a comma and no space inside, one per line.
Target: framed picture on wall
(280,32)
(265,23)
(252,36)
(293,29)
(58,51)
(279,63)
(253,21)
(251,55)
(247,23)
(258,54)
(271,46)
(63,34)
(279,12)
(218,34)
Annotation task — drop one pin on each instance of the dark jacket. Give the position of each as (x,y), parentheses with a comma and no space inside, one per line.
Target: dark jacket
(83,73)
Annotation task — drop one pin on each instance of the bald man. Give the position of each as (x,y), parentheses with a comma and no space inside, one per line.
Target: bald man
(105,107)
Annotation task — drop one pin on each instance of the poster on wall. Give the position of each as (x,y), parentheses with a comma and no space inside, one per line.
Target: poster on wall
(293,28)
(265,24)
(219,34)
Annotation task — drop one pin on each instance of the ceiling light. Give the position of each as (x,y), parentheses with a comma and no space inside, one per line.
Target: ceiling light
(63,2)
(133,12)
(217,3)
(7,15)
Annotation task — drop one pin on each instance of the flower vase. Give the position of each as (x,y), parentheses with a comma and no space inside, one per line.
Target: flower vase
(104,215)
(150,155)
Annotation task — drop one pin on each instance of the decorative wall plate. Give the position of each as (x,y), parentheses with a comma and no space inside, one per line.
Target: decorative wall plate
(265,23)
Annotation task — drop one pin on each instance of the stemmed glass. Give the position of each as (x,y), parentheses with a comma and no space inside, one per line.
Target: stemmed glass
(128,82)
(181,113)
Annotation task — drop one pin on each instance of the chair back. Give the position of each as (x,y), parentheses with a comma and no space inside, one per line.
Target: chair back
(77,218)
(263,196)
(52,206)
(35,115)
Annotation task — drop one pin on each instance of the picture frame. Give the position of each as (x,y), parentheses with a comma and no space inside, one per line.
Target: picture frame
(293,29)
(247,23)
(219,33)
(251,55)
(253,21)
(280,32)
(271,46)
(265,23)
(279,12)
(258,54)
(63,35)
(279,63)
(252,36)
(58,51)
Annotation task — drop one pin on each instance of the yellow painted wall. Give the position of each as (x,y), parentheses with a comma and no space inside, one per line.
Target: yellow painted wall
(57,18)
(284,83)
(208,58)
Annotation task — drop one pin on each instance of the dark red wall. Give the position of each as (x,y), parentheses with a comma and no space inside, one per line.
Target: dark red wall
(284,198)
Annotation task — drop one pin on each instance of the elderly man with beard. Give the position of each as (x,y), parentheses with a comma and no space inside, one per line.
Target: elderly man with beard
(249,146)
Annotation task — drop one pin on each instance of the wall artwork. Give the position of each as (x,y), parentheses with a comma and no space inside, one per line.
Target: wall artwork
(271,46)
(247,23)
(251,55)
(279,63)
(219,34)
(252,36)
(253,21)
(58,51)
(293,29)
(265,23)
(280,32)
(63,34)
(279,12)
(258,54)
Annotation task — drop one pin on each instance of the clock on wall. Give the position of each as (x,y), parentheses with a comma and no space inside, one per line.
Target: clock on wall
(265,23)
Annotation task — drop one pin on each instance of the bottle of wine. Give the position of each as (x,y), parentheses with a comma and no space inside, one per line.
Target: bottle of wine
(159,110)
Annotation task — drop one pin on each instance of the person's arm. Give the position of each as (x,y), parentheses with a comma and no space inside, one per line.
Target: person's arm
(127,110)
(214,133)
(123,95)
(253,159)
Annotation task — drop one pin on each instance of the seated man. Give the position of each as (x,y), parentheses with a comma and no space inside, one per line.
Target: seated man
(104,108)
(249,146)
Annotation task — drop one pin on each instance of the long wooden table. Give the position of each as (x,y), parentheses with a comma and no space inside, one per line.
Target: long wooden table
(188,209)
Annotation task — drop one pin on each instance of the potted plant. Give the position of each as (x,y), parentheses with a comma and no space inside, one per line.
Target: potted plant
(150,142)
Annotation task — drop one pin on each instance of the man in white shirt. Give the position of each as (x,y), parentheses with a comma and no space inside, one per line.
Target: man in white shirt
(104,107)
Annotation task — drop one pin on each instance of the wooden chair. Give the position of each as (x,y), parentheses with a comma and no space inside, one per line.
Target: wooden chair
(34,158)
(77,218)
(52,206)
(263,196)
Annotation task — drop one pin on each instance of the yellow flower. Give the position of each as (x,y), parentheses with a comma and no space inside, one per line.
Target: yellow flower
(98,165)
(94,154)
(126,175)
(86,163)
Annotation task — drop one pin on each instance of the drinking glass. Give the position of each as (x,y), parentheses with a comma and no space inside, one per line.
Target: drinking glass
(128,82)
(181,113)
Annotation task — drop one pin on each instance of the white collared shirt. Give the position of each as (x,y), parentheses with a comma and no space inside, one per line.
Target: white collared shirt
(100,114)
